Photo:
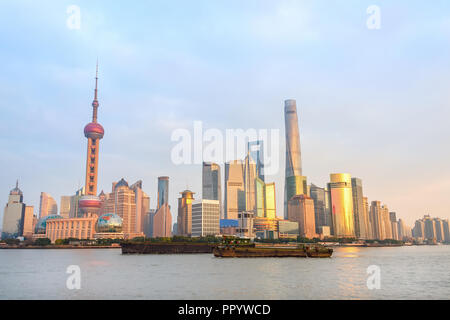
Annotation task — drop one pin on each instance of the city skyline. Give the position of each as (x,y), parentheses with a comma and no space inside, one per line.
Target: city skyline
(354,135)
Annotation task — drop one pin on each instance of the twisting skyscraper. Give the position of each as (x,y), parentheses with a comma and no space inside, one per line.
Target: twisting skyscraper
(295,183)
(94,132)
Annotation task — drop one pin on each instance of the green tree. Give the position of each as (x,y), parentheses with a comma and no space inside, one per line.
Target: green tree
(42,242)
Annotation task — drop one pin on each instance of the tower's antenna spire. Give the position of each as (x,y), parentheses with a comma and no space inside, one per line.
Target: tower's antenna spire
(96,80)
(95,103)
(17,183)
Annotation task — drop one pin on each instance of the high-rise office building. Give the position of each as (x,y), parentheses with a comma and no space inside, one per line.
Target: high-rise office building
(392,216)
(234,189)
(322,209)
(94,132)
(211,183)
(163,191)
(369,228)
(125,207)
(394,231)
(359,213)
(301,210)
(148,223)
(64,208)
(130,203)
(429,227)
(161,222)
(446,231)
(250,176)
(293,154)
(28,221)
(47,205)
(340,187)
(175,229)
(386,225)
(265,200)
(74,203)
(439,227)
(295,185)
(376,220)
(419,229)
(256,151)
(142,201)
(205,218)
(184,220)
(401,232)
(13,214)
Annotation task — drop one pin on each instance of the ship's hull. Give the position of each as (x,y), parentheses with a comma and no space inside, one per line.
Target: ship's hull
(166,248)
(237,252)
(312,254)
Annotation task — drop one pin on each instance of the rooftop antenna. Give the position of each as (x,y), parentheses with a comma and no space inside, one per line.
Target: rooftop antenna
(95,103)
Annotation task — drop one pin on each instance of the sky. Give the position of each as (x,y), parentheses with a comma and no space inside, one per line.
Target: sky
(374,103)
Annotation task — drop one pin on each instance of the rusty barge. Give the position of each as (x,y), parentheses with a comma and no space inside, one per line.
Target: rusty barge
(229,248)
(166,248)
(276,252)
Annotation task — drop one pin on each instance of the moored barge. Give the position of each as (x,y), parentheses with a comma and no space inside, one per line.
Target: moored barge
(166,248)
(266,252)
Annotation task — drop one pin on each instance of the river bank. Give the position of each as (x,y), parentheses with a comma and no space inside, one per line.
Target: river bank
(58,247)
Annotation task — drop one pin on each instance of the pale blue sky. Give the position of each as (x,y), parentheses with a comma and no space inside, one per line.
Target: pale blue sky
(374,103)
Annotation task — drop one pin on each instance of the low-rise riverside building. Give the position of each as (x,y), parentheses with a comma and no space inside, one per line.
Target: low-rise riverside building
(77,228)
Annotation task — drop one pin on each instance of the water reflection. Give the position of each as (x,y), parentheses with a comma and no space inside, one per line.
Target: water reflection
(347,252)
(407,273)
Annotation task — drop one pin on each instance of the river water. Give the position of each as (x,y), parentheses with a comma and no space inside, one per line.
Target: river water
(416,272)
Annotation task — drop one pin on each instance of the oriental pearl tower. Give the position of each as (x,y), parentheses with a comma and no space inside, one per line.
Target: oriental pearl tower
(90,203)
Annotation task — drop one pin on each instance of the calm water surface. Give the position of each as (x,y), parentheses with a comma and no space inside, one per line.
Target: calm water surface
(406,273)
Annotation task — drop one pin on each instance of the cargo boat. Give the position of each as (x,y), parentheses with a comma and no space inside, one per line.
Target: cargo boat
(266,252)
(166,248)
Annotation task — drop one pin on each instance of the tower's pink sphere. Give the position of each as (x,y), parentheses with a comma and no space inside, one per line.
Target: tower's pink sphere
(89,204)
(94,130)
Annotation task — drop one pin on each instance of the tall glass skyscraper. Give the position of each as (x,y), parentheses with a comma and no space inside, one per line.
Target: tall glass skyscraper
(163,191)
(250,176)
(256,152)
(322,209)
(342,204)
(184,220)
(292,186)
(376,220)
(265,199)
(234,189)
(211,183)
(360,217)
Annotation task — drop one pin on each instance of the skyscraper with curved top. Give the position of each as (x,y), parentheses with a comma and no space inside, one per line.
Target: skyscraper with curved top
(295,183)
(340,187)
